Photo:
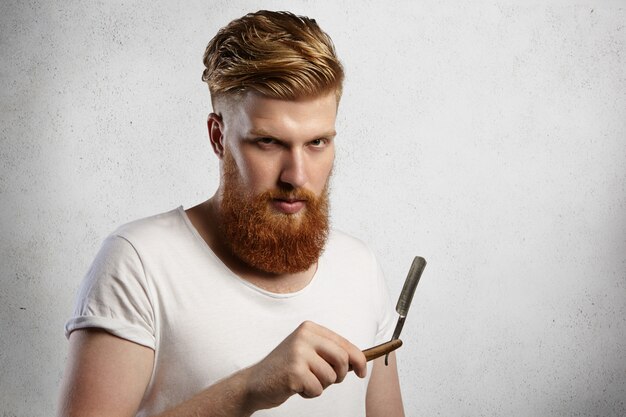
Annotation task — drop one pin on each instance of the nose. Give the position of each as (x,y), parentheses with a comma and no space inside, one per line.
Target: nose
(294,171)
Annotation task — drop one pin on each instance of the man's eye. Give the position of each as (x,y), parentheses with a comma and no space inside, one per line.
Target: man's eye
(265,141)
(318,143)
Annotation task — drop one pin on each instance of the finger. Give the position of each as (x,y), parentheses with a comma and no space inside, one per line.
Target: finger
(329,334)
(335,356)
(356,358)
(359,363)
(323,371)
(311,386)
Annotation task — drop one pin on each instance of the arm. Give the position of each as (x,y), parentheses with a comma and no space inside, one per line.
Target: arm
(107,376)
(104,376)
(383,392)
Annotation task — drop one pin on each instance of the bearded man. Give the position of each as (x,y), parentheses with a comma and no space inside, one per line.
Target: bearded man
(233,306)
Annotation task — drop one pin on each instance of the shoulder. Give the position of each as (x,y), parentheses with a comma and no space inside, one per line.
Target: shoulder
(169,233)
(153,227)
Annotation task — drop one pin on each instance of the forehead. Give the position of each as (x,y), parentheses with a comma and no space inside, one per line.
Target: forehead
(305,118)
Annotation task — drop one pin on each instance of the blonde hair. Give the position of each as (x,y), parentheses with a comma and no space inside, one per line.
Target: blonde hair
(276,54)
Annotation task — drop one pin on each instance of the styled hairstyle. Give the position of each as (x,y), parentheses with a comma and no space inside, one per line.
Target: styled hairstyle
(276,54)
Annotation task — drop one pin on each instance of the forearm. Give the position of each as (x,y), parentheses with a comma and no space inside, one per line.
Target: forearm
(383,392)
(228,397)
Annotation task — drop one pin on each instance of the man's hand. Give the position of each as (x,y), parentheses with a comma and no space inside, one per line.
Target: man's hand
(305,363)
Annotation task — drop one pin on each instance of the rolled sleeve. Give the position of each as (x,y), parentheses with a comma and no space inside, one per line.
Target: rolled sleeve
(114,295)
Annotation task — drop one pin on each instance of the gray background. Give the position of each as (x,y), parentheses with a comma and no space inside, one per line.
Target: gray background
(488,137)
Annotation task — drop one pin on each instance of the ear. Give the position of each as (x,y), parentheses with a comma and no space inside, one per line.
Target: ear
(216,136)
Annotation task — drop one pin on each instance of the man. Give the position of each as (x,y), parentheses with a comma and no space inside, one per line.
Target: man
(236,305)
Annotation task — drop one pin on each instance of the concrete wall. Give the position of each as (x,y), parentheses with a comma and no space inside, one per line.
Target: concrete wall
(488,137)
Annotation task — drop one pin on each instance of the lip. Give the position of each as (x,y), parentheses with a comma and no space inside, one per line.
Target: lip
(288,206)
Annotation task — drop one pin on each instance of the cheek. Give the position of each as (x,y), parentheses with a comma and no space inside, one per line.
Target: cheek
(238,166)
(323,175)
(258,175)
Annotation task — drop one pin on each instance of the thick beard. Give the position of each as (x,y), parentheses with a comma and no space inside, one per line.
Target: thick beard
(268,240)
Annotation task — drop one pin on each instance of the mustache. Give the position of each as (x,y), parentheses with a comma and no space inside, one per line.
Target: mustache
(300,194)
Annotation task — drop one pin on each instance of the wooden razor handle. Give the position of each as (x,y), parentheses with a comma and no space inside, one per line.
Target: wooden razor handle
(380,350)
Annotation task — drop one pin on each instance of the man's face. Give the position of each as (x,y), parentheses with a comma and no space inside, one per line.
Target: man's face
(277,158)
(281,144)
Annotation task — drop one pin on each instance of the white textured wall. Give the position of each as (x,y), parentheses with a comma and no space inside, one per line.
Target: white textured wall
(489,137)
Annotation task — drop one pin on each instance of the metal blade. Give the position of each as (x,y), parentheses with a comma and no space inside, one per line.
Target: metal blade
(410,284)
(406,296)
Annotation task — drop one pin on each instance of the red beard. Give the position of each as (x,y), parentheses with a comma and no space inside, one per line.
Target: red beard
(266,239)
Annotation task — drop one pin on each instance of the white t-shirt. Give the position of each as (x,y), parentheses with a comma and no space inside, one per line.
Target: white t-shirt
(157,283)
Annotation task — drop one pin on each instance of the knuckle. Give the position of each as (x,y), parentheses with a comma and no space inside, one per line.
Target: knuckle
(302,329)
(344,358)
(294,381)
(342,370)
(306,326)
(294,385)
(331,378)
(314,391)
(341,366)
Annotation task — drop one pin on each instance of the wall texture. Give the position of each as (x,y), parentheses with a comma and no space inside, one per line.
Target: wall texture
(486,136)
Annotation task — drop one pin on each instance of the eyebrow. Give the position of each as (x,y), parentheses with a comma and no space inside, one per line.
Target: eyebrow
(260,132)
